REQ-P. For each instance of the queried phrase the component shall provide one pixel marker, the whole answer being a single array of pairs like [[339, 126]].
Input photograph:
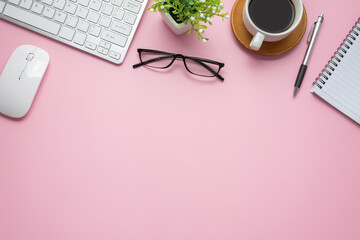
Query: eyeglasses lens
[[155, 59], [202, 68]]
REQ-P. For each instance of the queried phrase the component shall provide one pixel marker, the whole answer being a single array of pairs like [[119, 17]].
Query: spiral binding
[[337, 56]]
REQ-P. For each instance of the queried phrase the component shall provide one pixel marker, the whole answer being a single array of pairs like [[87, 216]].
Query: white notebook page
[[339, 82]]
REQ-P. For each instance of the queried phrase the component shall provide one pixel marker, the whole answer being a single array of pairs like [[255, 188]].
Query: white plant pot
[[177, 28]]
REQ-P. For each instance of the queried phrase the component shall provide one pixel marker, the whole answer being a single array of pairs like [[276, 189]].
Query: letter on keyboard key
[[79, 38], [102, 50], [90, 45], [67, 33], [70, 8], [60, 17], [114, 55], [121, 28], [26, 4], [2, 5], [59, 4], [32, 19], [37, 7], [95, 5], [49, 12], [82, 12], [113, 38], [95, 30], [105, 44], [131, 6]]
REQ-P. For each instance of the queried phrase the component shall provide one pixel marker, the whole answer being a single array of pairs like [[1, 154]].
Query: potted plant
[[189, 15]]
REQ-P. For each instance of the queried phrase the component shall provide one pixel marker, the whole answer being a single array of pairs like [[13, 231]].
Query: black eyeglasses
[[198, 66]]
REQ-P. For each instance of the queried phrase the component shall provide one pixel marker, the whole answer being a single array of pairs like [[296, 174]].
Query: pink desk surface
[[109, 152]]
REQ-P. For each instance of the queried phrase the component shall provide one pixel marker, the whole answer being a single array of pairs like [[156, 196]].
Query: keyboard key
[[72, 21], [26, 4], [130, 18], [49, 12], [60, 17], [82, 12], [117, 2], [48, 2], [16, 2], [105, 21], [121, 28], [107, 9], [70, 8], [131, 6], [83, 26], [105, 44], [106, 0], [37, 7], [140, 1], [32, 19], [114, 55], [79, 38], [94, 30], [95, 5], [102, 50], [85, 3], [59, 4], [67, 33], [94, 17], [113, 38], [119, 14], [2, 5], [90, 45]]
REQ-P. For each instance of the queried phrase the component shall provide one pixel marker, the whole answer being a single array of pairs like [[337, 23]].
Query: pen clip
[[311, 32]]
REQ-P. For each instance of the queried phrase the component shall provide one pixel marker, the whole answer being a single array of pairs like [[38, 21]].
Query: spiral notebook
[[339, 82]]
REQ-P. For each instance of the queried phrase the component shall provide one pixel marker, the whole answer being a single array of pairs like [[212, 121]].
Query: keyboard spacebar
[[32, 19]]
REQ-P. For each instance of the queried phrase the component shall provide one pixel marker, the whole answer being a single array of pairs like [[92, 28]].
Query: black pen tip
[[296, 89]]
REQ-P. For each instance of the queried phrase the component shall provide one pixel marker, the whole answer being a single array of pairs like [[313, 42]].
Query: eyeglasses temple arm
[[138, 65]]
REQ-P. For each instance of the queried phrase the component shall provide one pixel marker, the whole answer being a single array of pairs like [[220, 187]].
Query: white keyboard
[[104, 28]]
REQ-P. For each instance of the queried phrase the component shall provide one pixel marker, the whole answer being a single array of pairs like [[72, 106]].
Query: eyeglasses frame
[[183, 57]]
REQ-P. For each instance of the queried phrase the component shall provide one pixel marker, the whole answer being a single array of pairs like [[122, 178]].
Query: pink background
[[109, 152]]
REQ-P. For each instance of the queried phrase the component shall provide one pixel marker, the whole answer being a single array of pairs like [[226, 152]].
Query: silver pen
[[310, 41]]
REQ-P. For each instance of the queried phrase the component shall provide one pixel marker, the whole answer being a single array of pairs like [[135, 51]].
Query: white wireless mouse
[[20, 80]]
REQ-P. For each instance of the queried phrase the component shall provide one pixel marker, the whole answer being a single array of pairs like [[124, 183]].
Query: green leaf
[[184, 10]]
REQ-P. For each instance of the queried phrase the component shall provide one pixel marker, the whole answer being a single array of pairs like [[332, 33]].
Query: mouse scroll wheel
[[30, 57]]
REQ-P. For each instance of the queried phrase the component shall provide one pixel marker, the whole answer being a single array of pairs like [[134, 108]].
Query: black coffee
[[273, 16]]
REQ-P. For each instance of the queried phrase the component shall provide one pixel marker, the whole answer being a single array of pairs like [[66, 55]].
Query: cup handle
[[257, 41]]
